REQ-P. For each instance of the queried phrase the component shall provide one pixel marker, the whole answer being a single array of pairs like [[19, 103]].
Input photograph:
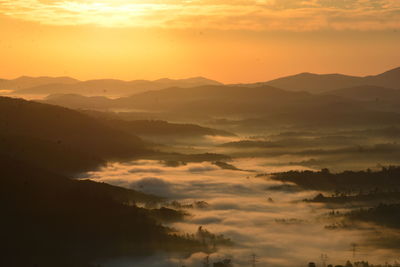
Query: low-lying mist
[[274, 224]]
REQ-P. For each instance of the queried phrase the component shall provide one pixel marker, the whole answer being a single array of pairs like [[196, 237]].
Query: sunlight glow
[[104, 13], [288, 15]]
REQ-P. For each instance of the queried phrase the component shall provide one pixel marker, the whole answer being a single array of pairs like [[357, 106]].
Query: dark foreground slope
[[60, 139], [50, 220]]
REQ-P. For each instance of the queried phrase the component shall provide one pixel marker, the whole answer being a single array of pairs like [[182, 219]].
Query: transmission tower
[[253, 260], [324, 259]]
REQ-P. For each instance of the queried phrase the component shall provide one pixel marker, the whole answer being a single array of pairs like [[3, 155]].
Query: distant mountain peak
[[392, 72], [197, 79], [319, 83], [107, 87], [25, 77]]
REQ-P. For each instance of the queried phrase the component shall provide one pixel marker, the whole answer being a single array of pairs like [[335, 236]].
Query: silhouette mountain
[[50, 220], [112, 87], [389, 79], [25, 82], [317, 83], [226, 100], [77, 142], [253, 106], [159, 128], [367, 93], [196, 99], [77, 101]]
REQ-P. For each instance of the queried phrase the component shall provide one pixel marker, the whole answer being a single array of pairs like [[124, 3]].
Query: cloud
[[201, 168], [262, 15], [145, 170], [153, 185]]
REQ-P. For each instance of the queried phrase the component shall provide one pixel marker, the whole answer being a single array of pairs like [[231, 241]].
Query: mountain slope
[[151, 128], [367, 93], [273, 105], [76, 101], [50, 220], [110, 87], [25, 82], [317, 83], [379, 98], [30, 129], [388, 79], [225, 100]]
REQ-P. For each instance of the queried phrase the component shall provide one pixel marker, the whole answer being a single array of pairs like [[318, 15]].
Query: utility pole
[[206, 262], [354, 247]]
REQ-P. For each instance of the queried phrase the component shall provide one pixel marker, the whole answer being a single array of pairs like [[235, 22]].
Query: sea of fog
[[276, 225]]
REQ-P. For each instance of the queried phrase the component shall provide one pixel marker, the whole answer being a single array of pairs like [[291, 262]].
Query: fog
[[275, 225]]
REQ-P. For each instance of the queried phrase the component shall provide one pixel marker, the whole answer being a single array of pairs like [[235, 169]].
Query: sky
[[227, 40]]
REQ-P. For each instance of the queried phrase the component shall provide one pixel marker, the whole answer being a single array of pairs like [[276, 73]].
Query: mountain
[[317, 83], [111, 87], [368, 93], [25, 82], [310, 82], [202, 99], [263, 106], [225, 100], [76, 101], [189, 82], [250, 107], [388, 79], [50, 220], [75, 141], [380, 98], [157, 128]]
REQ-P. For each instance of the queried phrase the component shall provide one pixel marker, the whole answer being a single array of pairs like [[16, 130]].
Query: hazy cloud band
[[274, 15]]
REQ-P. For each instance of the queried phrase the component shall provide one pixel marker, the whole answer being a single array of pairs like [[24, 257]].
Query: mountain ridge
[[318, 83], [109, 87]]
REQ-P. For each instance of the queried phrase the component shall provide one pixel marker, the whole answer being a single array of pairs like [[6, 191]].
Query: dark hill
[[272, 105], [145, 128], [377, 97], [30, 129], [50, 220], [367, 93], [227, 100], [76, 101]]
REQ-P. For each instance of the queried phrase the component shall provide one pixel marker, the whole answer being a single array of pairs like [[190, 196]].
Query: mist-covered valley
[[194, 172]]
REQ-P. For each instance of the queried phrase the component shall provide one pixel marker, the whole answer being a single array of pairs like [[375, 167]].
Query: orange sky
[[230, 41]]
